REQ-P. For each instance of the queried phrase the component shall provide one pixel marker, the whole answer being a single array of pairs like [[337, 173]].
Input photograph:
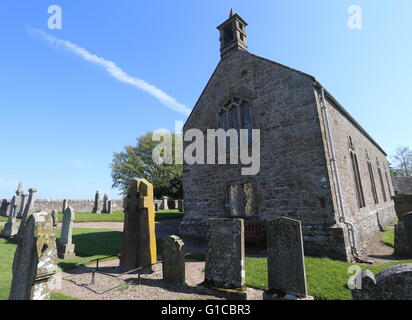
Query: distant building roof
[[402, 185]]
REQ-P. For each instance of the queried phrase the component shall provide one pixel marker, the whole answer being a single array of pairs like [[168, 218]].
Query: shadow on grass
[[92, 245]]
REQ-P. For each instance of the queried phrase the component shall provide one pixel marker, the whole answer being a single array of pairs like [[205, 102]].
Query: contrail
[[115, 71]]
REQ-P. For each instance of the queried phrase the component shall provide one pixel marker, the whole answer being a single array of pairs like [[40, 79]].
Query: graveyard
[[88, 237], [208, 173]]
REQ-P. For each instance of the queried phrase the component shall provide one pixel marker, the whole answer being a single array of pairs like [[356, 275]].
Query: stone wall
[[295, 174], [77, 205], [369, 219]]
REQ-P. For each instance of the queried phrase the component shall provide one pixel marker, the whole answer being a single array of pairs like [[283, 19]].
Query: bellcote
[[232, 34]]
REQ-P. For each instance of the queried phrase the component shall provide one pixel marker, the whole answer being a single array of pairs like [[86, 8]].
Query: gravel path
[[77, 283]]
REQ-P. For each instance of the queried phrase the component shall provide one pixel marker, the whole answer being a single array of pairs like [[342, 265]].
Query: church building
[[317, 164]]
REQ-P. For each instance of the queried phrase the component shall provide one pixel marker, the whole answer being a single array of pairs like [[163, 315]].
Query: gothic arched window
[[236, 114], [356, 175], [372, 178], [381, 180]]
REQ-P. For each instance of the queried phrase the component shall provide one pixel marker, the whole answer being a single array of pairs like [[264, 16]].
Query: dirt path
[[378, 252], [112, 285]]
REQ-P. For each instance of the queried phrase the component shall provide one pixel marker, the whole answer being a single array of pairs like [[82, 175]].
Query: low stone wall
[[77, 205]]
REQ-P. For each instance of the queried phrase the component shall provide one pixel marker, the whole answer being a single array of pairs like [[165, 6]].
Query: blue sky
[[63, 117]]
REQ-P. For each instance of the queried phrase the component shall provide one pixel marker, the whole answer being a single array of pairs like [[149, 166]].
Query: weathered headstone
[[139, 239], [164, 205], [225, 254], [35, 260], [55, 218], [11, 226], [105, 199], [23, 197], [28, 211], [180, 205], [96, 202], [109, 207], [394, 283], [173, 260], [4, 207], [66, 246], [10, 208], [403, 236], [286, 260]]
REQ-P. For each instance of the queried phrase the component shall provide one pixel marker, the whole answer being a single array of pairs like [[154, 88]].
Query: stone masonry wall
[[372, 217], [77, 205], [293, 180]]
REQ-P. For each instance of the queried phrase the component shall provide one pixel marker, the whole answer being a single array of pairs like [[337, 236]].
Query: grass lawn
[[118, 216], [388, 237], [3, 219]]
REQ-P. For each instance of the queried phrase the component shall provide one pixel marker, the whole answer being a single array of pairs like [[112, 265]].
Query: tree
[[401, 163], [136, 162]]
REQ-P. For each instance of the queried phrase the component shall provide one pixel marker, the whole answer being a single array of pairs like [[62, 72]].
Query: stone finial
[[139, 239], [231, 14], [35, 260], [173, 260]]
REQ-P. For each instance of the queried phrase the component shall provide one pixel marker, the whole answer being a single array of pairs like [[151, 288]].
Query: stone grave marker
[[225, 254], [173, 260], [28, 211], [96, 202], [66, 246], [286, 260], [139, 239], [35, 260]]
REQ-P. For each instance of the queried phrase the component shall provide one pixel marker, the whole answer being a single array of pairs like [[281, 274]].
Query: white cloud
[[115, 71]]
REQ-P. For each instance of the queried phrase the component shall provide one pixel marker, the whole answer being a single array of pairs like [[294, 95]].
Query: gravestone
[[180, 205], [66, 246], [10, 208], [23, 198], [109, 207], [11, 226], [96, 202], [64, 207], [403, 237], [28, 211], [394, 283], [164, 205], [35, 260], [173, 260], [286, 260], [4, 207], [225, 254], [139, 239], [55, 218], [105, 199]]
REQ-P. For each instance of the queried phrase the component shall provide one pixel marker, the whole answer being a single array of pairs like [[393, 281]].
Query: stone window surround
[[372, 179], [385, 198], [356, 175], [229, 103], [226, 196]]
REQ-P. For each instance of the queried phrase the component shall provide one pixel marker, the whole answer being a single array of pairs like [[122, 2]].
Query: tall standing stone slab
[[139, 239], [225, 254], [180, 205], [28, 211], [109, 207], [66, 246], [286, 260], [35, 260], [105, 204], [4, 208], [96, 203], [403, 237], [10, 208], [11, 226], [165, 203], [173, 260]]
